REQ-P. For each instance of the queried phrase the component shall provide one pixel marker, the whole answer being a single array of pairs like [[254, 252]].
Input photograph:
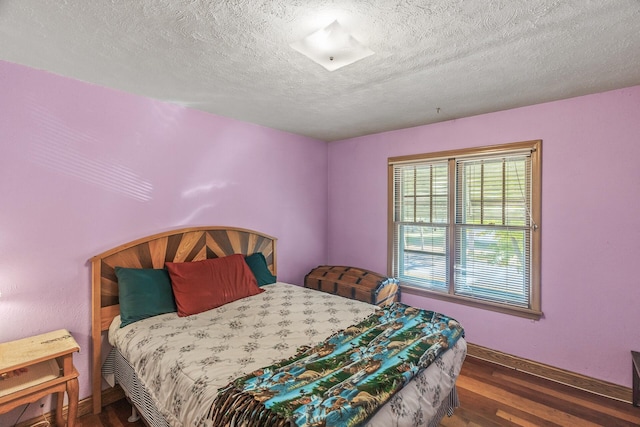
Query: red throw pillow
[[202, 285]]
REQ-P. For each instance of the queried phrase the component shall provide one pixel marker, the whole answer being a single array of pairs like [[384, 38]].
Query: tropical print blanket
[[343, 380]]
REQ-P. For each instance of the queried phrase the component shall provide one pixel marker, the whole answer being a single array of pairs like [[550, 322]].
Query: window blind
[[464, 225], [421, 212], [493, 229]]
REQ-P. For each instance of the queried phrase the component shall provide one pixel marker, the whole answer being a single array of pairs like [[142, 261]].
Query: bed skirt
[[117, 367]]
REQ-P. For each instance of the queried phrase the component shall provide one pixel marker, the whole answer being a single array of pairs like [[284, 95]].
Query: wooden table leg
[[59, 406], [72, 392]]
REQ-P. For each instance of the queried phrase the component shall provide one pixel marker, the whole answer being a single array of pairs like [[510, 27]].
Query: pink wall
[[590, 232], [84, 169]]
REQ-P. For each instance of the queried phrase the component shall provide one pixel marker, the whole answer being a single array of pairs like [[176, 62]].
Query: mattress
[[183, 361]]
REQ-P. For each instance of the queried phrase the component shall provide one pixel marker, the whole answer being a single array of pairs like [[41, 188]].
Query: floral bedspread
[[343, 380], [183, 362]]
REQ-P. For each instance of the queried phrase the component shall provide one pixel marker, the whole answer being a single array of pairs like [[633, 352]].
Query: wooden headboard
[[184, 245]]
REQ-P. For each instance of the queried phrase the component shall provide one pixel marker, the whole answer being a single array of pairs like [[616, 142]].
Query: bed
[[175, 366]]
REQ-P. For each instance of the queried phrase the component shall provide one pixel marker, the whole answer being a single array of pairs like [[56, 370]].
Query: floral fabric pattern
[[183, 362]]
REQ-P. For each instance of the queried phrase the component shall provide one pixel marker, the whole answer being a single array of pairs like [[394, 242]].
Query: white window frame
[[448, 292]]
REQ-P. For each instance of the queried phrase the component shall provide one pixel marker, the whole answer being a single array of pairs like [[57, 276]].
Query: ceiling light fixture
[[332, 47]]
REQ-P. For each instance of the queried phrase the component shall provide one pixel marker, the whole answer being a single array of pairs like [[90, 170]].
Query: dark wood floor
[[490, 395], [114, 415]]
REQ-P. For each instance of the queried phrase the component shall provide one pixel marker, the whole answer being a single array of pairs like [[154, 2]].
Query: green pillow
[[143, 292], [258, 265]]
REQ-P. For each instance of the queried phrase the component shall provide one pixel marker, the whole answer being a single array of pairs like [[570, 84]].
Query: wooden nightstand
[[34, 367]]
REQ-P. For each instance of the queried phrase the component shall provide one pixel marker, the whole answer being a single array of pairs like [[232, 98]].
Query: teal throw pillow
[[143, 293], [258, 265]]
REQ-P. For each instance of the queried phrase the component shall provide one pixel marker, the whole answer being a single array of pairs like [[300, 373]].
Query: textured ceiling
[[434, 60]]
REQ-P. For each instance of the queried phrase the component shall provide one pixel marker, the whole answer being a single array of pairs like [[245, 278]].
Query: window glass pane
[[440, 193], [423, 255], [423, 209], [493, 191], [491, 264], [422, 193], [518, 192], [407, 209], [422, 180]]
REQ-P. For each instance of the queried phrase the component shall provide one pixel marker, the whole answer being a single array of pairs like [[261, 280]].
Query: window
[[465, 226]]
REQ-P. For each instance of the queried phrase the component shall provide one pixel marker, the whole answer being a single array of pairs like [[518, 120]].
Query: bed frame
[[183, 245]]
